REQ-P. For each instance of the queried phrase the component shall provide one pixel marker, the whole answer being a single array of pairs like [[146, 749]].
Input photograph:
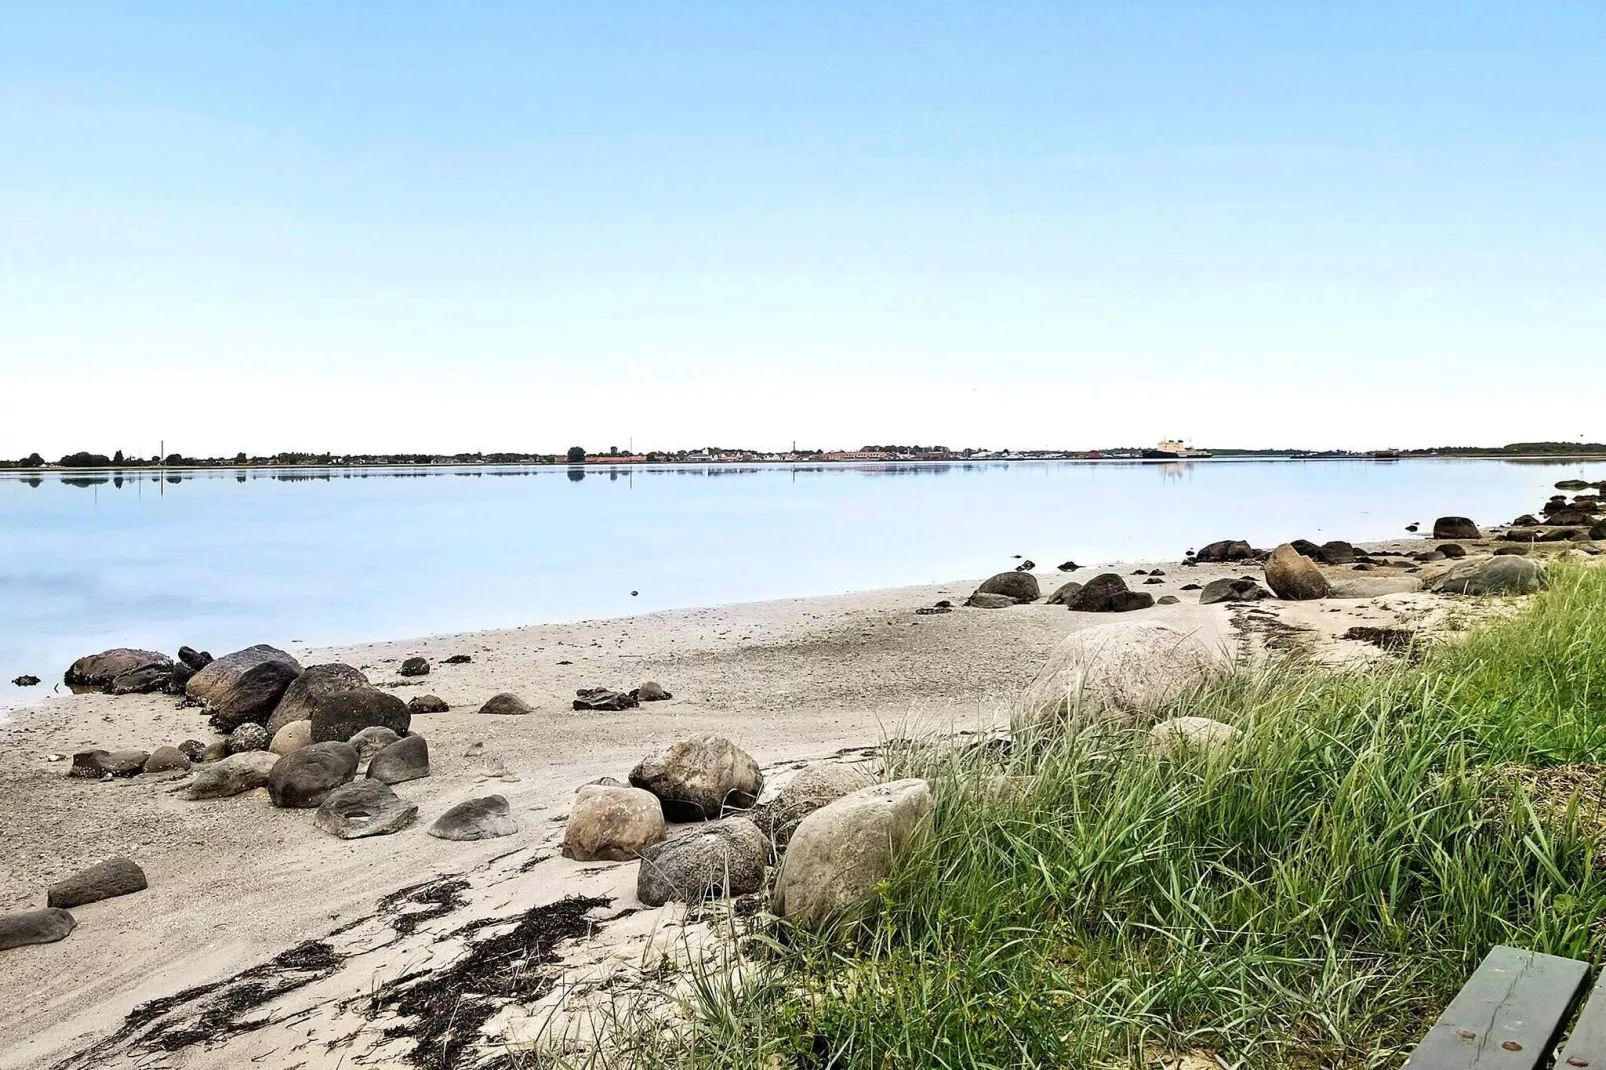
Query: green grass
[[1312, 898]]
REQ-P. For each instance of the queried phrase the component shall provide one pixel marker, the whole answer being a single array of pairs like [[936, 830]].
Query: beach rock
[[1294, 578], [1453, 549], [1495, 575], [1225, 550], [1513, 551], [97, 764], [414, 666], [427, 704], [345, 713], [813, 787], [1526, 520], [458, 659], [25, 680], [979, 600], [140, 681], [252, 695], [1026, 565], [1178, 736], [1154, 579], [178, 677], [365, 808], [600, 698], [370, 741], [192, 749], [1021, 586], [313, 688], [86, 764], [1111, 672], [404, 760], [1306, 548], [192, 659], [1232, 589], [34, 927], [304, 778], [651, 691], [214, 751], [695, 779], [291, 737], [1108, 594], [1064, 593], [721, 859], [1068, 566], [1167, 600], [476, 819], [1560, 518], [166, 760], [248, 736], [1598, 532], [1573, 484], [1455, 527], [99, 670], [230, 776], [1336, 552], [841, 852], [1374, 586], [211, 683], [612, 824], [506, 704], [103, 880]]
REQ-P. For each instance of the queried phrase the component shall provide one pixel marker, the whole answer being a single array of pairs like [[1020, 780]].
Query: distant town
[[577, 455]]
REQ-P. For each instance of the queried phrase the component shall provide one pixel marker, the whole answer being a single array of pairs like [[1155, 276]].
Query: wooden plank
[[1506, 1017], [1587, 1044]]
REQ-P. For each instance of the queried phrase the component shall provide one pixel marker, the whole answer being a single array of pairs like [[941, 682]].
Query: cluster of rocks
[[602, 698], [104, 880], [127, 671], [1577, 520]]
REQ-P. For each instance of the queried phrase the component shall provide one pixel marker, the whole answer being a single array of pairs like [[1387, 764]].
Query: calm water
[[222, 559]]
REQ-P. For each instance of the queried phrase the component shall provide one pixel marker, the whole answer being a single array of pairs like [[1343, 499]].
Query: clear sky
[[520, 226]]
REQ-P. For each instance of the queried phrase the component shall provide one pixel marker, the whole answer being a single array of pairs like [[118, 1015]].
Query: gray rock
[[1167, 600], [842, 851], [696, 779], [476, 819], [813, 787], [1336, 552], [1232, 589], [1021, 586], [612, 824], [370, 741], [718, 860], [1223, 551], [166, 760], [1293, 577], [1108, 674], [98, 763], [601, 698], [1494, 575], [414, 666], [984, 600], [406, 759], [248, 736], [1108, 594], [304, 778], [192, 749], [506, 704], [345, 713], [251, 696], [315, 685], [211, 683], [427, 704], [1374, 586], [103, 880], [1064, 593], [1455, 527], [652, 691], [34, 927], [232, 775], [365, 808], [1178, 736], [99, 670], [215, 750], [140, 681]]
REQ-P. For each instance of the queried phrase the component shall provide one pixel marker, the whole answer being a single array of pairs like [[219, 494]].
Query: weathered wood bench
[[1511, 1013]]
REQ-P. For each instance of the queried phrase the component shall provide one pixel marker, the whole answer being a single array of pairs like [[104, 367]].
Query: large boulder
[[1337, 552], [1021, 586], [406, 759], [252, 696], [1224, 551], [1111, 672], [211, 683], [232, 775], [1294, 577], [1232, 589], [141, 681], [839, 853], [99, 670], [718, 860], [813, 787], [696, 779], [310, 689], [103, 880], [476, 819], [1455, 527], [364, 808], [1178, 736], [1108, 594], [34, 927], [1064, 593], [612, 824], [1493, 575], [343, 714], [303, 778]]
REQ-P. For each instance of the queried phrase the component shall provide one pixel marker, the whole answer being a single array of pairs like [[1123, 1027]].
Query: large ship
[[1173, 450]]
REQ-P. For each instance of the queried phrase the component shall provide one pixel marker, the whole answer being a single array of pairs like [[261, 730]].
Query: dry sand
[[235, 882]]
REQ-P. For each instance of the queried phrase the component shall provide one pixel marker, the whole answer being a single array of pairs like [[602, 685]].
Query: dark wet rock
[[1064, 593], [601, 698], [1167, 600], [1337, 552], [364, 808], [1455, 527], [192, 749], [1559, 517], [414, 667], [404, 760], [1191, 587], [304, 778], [458, 659], [97, 764], [1232, 589], [211, 683], [427, 704], [178, 678], [192, 659], [345, 713], [1573, 484], [248, 737], [103, 880], [697, 779], [1293, 577], [981, 600], [1526, 520], [1026, 566], [1225, 550], [651, 691], [721, 859], [314, 687], [1306, 548], [252, 696], [1068, 566], [1453, 549], [140, 681], [215, 751], [1021, 586], [1386, 638], [1154, 579], [26, 680], [1598, 532], [1108, 593], [99, 670], [476, 819], [506, 704], [166, 760], [370, 741], [231, 776], [1497, 575], [1510, 551], [34, 927]]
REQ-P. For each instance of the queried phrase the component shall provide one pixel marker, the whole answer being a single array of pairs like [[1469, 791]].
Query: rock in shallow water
[[476, 819], [99, 670], [364, 808], [103, 880]]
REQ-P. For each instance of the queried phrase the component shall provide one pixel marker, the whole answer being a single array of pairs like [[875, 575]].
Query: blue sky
[[518, 226]]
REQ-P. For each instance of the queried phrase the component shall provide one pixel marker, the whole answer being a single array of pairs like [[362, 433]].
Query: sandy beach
[[235, 882]]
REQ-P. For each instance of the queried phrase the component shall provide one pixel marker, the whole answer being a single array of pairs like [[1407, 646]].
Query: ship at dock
[[1174, 450]]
